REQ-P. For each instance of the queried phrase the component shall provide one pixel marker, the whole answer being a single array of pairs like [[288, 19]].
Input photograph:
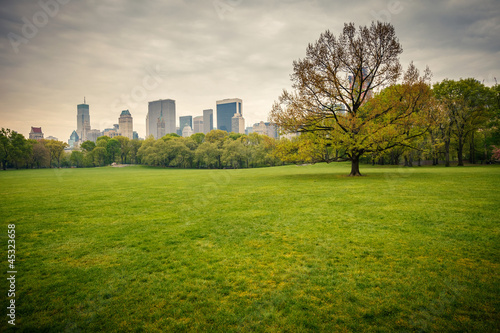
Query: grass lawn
[[294, 248]]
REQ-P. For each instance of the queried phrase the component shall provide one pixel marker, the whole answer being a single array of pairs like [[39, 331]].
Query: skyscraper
[[238, 123], [198, 124], [82, 120], [126, 126], [208, 120], [185, 121], [160, 119], [73, 139], [226, 109]]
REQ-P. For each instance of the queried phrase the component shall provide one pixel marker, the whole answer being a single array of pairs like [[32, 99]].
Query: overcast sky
[[120, 54]]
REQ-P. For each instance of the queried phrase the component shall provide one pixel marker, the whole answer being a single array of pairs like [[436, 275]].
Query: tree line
[[461, 122], [18, 152], [217, 149]]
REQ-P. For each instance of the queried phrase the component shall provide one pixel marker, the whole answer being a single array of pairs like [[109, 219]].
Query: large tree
[[466, 104], [125, 147], [41, 155], [5, 146], [334, 83], [113, 149], [56, 149]]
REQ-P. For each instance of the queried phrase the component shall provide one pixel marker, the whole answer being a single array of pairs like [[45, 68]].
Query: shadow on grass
[[372, 173], [329, 176]]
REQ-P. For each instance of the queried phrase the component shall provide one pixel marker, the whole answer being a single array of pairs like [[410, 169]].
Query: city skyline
[[54, 52]]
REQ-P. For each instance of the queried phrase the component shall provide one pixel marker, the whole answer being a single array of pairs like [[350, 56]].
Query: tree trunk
[[472, 158], [355, 166], [485, 152], [447, 152], [408, 161], [459, 152]]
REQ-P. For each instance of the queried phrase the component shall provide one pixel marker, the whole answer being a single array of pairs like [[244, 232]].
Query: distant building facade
[[160, 119], [226, 109], [198, 124], [187, 131], [272, 130], [36, 133], [92, 135], [73, 140], [264, 128], [208, 120], [82, 120], [126, 125], [110, 132], [238, 124], [185, 121]]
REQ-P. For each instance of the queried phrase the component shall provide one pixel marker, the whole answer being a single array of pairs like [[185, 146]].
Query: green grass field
[[294, 248]]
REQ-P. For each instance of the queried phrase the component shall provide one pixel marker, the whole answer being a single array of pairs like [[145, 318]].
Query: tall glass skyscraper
[[226, 109], [82, 120], [160, 119]]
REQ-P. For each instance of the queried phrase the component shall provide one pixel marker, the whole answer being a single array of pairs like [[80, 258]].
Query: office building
[[36, 133], [187, 131], [264, 128], [226, 109], [238, 124], [198, 124], [272, 130], [208, 120], [125, 124], [260, 128], [160, 119], [110, 132], [92, 135], [73, 140], [185, 121], [82, 120]]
